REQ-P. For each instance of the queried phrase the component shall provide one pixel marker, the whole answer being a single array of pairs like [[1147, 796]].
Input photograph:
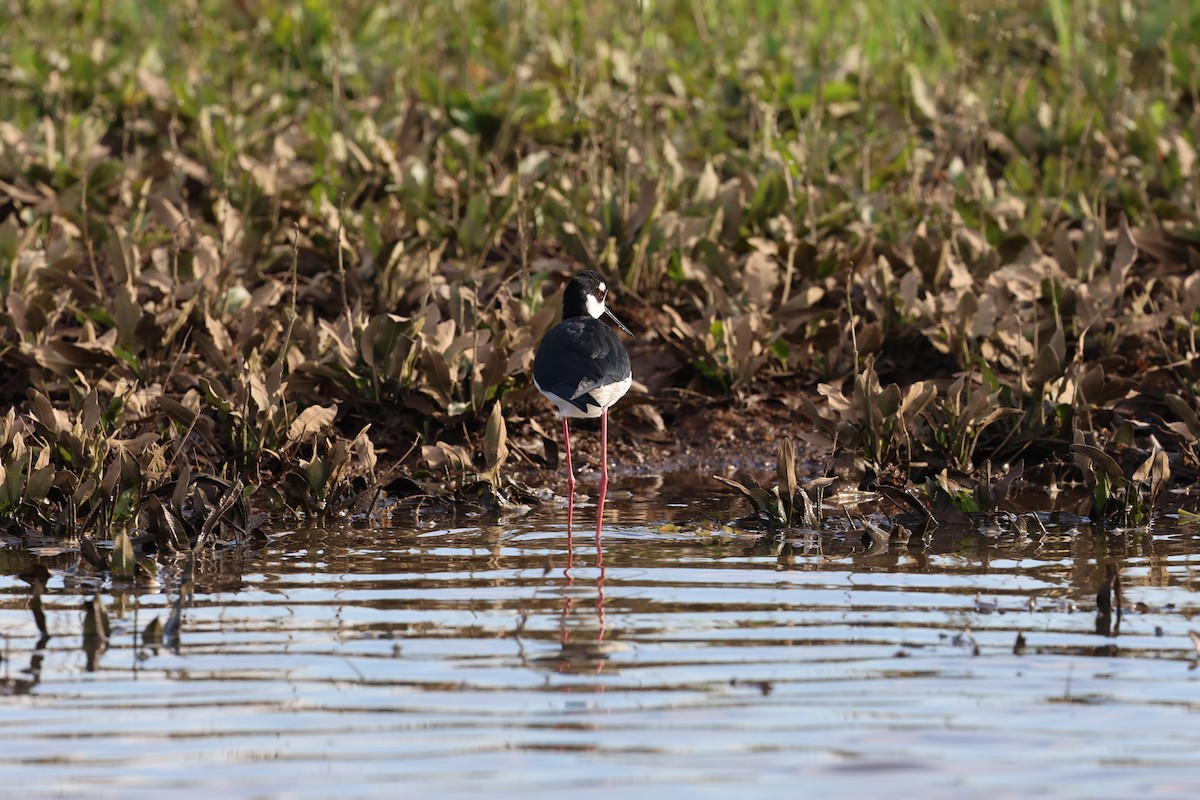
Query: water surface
[[456, 657]]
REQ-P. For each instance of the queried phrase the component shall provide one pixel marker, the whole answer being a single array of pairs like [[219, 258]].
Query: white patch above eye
[[603, 288], [595, 307]]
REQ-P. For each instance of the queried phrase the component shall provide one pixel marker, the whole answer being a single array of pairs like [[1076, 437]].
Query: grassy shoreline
[[269, 241]]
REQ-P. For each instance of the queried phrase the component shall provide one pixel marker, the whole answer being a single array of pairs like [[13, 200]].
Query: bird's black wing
[[579, 355]]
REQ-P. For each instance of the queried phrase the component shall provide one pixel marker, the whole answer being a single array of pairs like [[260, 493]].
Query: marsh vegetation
[[273, 274], [301, 254]]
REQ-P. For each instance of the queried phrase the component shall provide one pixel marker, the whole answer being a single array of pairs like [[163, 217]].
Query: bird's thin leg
[[603, 483], [570, 492]]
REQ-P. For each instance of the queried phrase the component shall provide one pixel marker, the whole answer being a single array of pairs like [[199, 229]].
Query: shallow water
[[449, 661]]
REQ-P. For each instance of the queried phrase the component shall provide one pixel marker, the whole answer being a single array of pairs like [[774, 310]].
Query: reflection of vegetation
[[262, 245], [109, 582]]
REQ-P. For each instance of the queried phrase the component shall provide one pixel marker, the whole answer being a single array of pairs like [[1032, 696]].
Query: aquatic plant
[[787, 504], [1117, 498]]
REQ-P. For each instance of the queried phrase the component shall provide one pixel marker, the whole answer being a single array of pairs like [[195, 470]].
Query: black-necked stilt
[[582, 367]]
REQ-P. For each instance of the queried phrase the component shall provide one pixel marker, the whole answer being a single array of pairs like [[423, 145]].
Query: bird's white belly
[[605, 396], [611, 393]]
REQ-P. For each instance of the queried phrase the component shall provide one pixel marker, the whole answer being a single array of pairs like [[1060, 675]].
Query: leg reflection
[[583, 653]]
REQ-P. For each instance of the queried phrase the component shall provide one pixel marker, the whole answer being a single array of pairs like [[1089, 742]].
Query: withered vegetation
[[307, 249]]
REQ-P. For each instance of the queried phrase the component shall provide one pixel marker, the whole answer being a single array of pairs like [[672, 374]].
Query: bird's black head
[[585, 295]]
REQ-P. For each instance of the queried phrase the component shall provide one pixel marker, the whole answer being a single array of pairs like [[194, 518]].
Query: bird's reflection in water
[[599, 542], [583, 653], [582, 647]]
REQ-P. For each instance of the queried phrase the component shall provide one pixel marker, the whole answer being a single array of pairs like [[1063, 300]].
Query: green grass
[[257, 209]]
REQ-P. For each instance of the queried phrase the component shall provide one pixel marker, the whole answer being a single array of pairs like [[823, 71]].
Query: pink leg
[[570, 492], [603, 483]]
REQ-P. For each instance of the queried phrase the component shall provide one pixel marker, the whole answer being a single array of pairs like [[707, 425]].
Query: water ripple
[[451, 662]]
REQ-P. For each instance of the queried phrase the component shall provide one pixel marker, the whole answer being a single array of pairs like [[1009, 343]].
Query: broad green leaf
[[123, 566]]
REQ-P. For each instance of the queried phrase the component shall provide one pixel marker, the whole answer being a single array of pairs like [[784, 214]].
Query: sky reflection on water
[[454, 661]]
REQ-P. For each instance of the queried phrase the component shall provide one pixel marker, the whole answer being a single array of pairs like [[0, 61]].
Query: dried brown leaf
[[1096, 459], [1155, 472], [310, 422], [495, 444], [443, 456], [786, 470], [1047, 367], [46, 414], [1187, 415], [1124, 256], [112, 476]]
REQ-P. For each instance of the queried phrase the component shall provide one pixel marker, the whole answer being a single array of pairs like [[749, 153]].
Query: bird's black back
[[577, 356]]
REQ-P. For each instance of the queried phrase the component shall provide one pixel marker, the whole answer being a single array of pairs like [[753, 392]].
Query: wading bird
[[582, 367]]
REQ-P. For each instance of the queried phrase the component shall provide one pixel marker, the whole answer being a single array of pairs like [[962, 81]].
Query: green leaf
[[316, 473], [124, 564]]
